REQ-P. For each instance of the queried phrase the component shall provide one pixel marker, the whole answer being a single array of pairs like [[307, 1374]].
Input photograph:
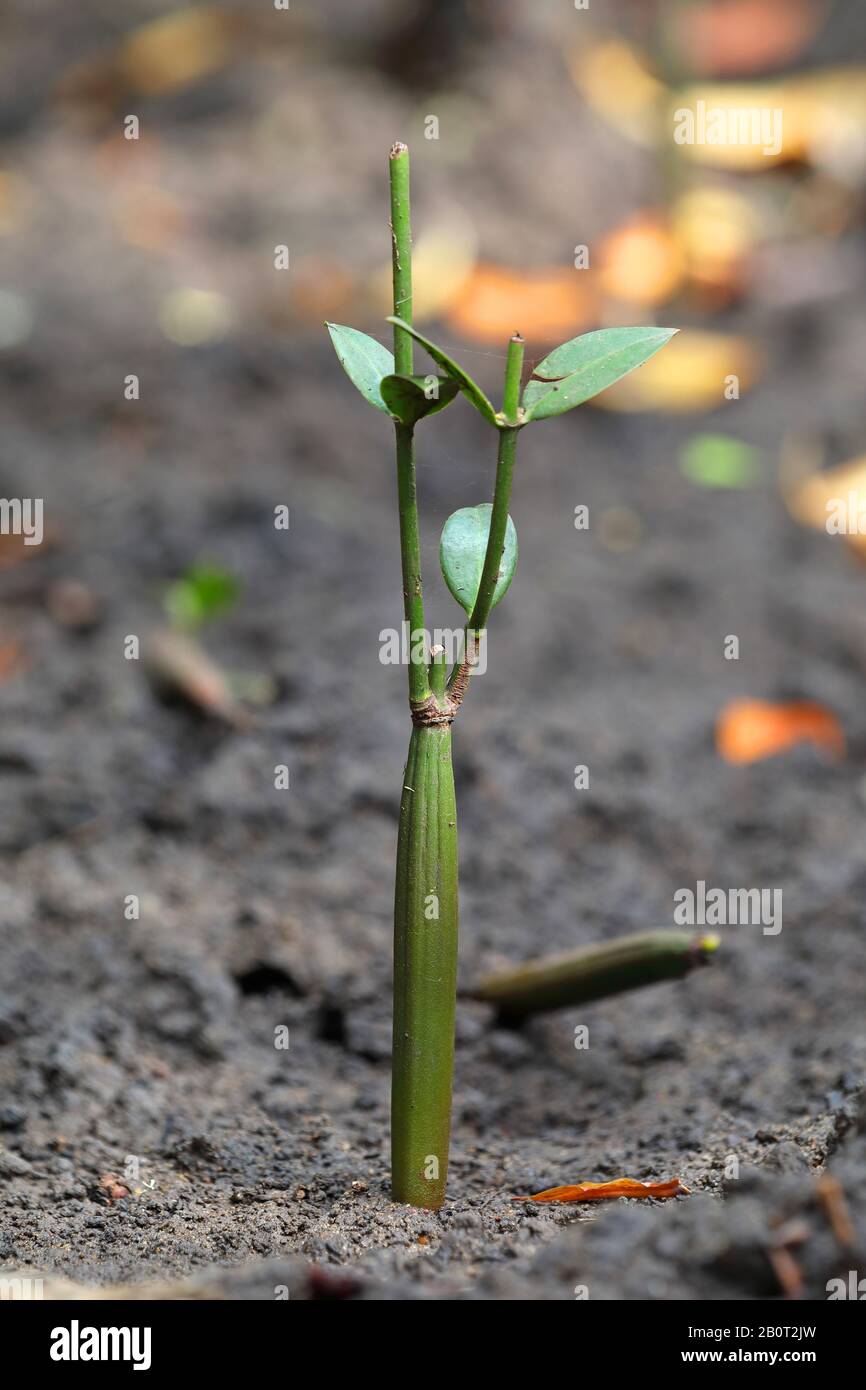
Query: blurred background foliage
[[552, 197]]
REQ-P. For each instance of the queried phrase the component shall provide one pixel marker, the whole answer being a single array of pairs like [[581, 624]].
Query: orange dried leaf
[[606, 1191], [544, 305], [641, 262], [750, 730]]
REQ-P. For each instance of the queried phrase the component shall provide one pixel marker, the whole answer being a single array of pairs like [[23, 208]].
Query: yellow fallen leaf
[[693, 373], [175, 50], [613, 79], [715, 228], [831, 105], [831, 500]]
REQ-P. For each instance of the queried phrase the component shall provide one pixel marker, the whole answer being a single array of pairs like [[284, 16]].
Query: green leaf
[[410, 398], [204, 592], [462, 550], [364, 360], [579, 369], [465, 383]]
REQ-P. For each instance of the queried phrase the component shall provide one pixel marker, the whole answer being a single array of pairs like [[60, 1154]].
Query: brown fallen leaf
[[787, 1271], [544, 305], [178, 665], [606, 1191], [15, 548], [14, 660], [114, 1187], [749, 730], [831, 1195]]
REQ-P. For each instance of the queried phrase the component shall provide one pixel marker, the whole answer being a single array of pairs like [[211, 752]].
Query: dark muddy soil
[[145, 1049]]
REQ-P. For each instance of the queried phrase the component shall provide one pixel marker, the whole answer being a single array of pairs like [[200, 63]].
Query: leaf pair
[[571, 374], [370, 366], [568, 376]]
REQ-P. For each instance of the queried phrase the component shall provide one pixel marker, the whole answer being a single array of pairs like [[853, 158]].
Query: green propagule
[[478, 555]]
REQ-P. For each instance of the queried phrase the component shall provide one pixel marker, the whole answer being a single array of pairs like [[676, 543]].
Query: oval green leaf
[[410, 398], [364, 360], [576, 371], [453, 369], [462, 550]]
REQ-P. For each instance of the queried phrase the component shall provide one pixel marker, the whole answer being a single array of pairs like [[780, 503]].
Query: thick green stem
[[410, 541], [595, 972], [425, 972]]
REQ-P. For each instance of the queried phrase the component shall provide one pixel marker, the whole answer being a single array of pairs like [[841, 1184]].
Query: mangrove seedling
[[478, 554]]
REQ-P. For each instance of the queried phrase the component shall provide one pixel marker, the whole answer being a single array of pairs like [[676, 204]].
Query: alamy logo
[[846, 516], [22, 516], [401, 648], [77, 1343], [15, 1287], [851, 1288], [717, 907], [730, 125]]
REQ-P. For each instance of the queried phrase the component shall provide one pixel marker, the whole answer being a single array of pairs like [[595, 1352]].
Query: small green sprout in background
[[204, 593], [478, 555], [719, 460]]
